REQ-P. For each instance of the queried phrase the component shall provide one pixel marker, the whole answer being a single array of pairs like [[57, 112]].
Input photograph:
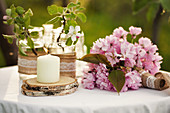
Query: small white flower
[[73, 32]]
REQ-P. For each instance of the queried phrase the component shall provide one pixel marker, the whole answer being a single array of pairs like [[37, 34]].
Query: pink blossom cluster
[[119, 52]]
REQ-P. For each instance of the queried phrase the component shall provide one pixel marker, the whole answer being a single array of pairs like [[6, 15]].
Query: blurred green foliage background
[[102, 17]]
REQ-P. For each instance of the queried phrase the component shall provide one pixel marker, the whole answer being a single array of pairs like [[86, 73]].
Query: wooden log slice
[[65, 83], [27, 92]]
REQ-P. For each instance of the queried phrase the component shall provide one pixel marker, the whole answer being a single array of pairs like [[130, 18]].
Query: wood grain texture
[[27, 92], [66, 85]]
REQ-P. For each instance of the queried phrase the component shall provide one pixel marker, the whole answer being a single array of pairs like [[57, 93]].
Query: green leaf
[[71, 23], [69, 42], [78, 3], [13, 11], [30, 43], [117, 78], [8, 12], [80, 9], [75, 41], [71, 5], [103, 59], [20, 10], [82, 17], [26, 18], [96, 59], [53, 9], [60, 9], [30, 27], [34, 34], [70, 16], [152, 11], [165, 4], [9, 38], [5, 22], [19, 20], [17, 42], [12, 6], [26, 21], [17, 29], [138, 5], [66, 28], [10, 21], [29, 12], [91, 58], [21, 52], [53, 20], [22, 36]]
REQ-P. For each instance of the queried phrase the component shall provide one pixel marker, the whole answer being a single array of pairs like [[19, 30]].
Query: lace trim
[[27, 63], [150, 81], [67, 67]]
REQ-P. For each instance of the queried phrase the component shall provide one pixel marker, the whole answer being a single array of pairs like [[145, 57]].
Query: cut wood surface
[[27, 92], [63, 81], [66, 85]]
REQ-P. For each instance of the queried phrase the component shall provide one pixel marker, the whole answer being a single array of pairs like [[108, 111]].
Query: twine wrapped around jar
[[151, 81], [165, 76], [67, 64], [28, 64]]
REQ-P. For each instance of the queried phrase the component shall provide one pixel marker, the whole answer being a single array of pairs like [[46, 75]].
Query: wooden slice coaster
[[27, 92], [65, 83]]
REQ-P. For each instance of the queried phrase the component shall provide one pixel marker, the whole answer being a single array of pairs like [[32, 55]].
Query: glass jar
[[48, 35], [27, 65]]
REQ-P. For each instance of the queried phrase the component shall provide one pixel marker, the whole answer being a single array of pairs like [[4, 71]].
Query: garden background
[[102, 17]]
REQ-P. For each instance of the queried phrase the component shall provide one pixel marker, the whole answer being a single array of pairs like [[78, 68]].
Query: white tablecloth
[[82, 101]]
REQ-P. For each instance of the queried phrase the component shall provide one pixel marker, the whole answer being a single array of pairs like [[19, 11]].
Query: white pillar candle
[[48, 69]]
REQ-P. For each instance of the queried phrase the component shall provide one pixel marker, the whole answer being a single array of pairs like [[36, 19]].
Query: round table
[[82, 101]]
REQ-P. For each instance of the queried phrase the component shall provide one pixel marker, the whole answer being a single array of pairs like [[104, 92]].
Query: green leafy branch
[[139, 5], [116, 76], [20, 19], [67, 16]]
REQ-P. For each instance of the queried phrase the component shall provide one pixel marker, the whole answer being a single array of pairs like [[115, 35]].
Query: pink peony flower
[[110, 58], [157, 57], [135, 31], [128, 50], [153, 49], [145, 43], [122, 55], [130, 63], [133, 80], [120, 33], [87, 84]]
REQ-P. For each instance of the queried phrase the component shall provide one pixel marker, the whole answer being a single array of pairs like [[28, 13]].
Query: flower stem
[[33, 50], [132, 40], [58, 39]]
